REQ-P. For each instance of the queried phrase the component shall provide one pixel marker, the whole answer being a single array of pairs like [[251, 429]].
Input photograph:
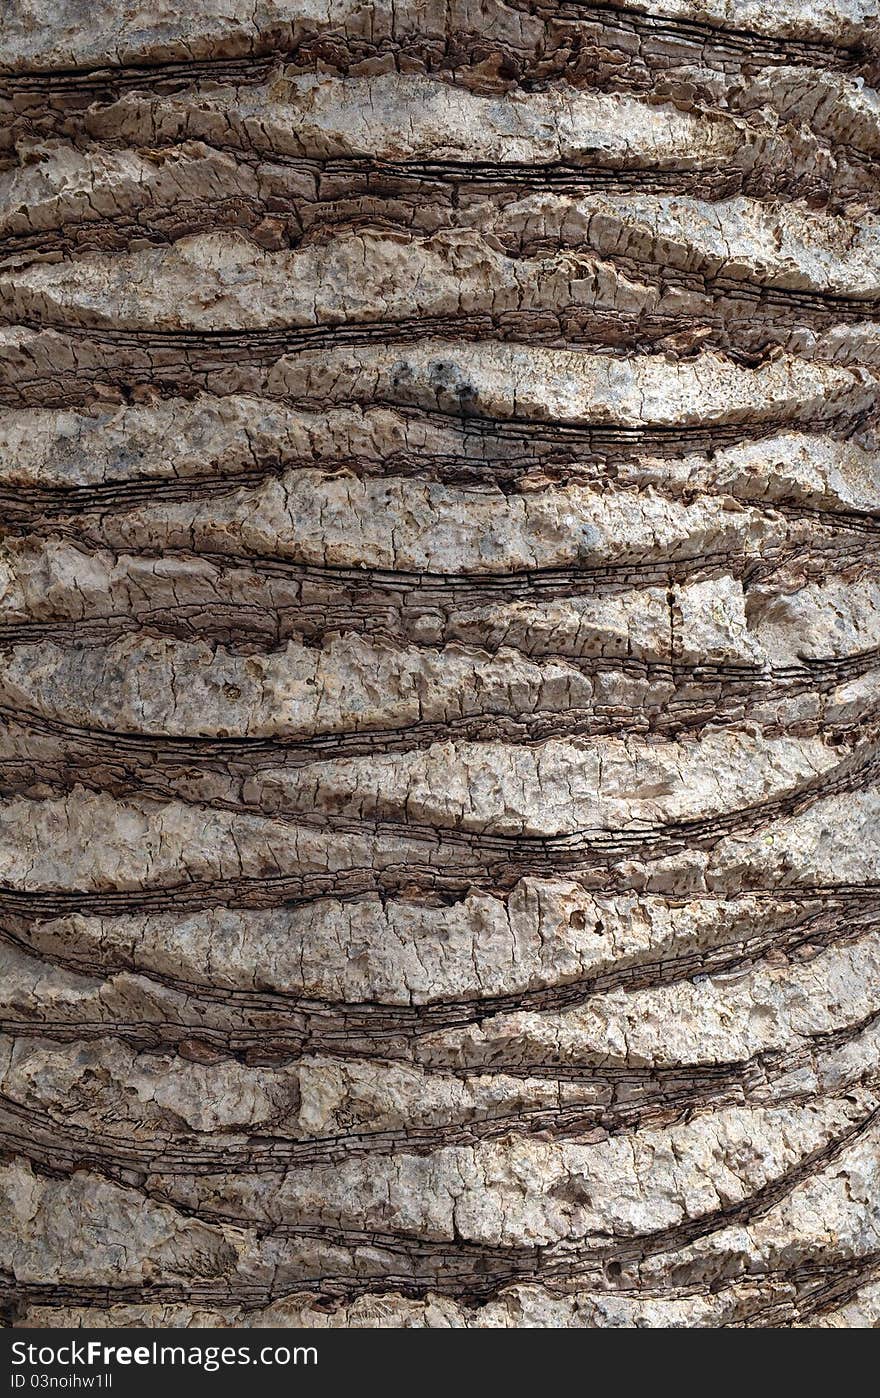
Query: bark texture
[[439, 599]]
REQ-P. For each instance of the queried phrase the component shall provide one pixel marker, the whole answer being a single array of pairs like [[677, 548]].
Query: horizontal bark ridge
[[440, 618]]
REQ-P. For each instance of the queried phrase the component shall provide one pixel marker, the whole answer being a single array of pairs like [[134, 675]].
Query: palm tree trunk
[[439, 850]]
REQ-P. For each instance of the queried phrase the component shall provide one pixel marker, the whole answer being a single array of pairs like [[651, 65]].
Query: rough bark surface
[[440, 610]]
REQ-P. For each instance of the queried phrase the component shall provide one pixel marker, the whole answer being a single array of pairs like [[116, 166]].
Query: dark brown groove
[[559, 1261], [276, 1047], [480, 1271], [821, 1278], [474, 853], [135, 757], [316, 1025], [666, 1097], [601, 331], [719, 38], [25, 504], [362, 588], [250, 59], [450, 184], [826, 1289]]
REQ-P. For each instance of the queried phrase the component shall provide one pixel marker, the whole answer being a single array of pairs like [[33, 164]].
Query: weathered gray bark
[[438, 855]]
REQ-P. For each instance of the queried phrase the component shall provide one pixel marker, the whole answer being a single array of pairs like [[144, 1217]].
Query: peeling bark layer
[[440, 611]]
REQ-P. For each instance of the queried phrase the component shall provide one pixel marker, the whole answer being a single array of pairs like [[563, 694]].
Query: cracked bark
[[440, 620]]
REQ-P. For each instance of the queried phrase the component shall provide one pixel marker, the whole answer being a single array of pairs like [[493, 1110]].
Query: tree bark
[[439, 852]]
